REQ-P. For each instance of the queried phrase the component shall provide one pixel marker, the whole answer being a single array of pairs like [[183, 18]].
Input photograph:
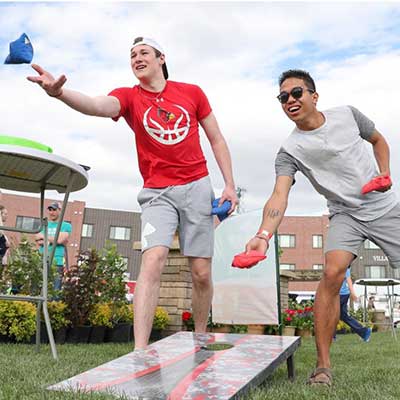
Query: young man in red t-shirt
[[177, 192]]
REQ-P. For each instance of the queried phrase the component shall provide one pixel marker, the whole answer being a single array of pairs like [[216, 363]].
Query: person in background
[[60, 255], [371, 305], [347, 291], [4, 243]]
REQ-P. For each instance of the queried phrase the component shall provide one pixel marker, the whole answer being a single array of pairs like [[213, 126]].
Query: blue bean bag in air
[[21, 51]]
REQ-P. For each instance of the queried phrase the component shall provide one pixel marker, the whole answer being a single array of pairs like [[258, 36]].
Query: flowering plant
[[289, 317], [187, 319], [305, 318]]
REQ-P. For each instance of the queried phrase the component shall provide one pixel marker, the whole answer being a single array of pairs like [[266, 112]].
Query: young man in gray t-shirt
[[330, 149]]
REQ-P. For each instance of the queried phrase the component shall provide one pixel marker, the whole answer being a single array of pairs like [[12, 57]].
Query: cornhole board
[[182, 367]]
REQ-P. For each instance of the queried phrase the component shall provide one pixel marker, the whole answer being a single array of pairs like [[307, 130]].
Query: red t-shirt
[[167, 131]]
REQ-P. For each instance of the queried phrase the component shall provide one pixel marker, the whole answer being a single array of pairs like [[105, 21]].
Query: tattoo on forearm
[[272, 213]]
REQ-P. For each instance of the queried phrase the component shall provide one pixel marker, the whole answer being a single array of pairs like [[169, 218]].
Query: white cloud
[[234, 51]]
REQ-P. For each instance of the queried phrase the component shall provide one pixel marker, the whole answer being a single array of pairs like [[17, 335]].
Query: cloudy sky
[[234, 51]]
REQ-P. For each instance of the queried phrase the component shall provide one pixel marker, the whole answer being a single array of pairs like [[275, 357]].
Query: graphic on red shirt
[[166, 127], [165, 135]]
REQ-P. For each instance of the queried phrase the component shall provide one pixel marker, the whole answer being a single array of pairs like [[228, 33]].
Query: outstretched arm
[[273, 213], [100, 106], [223, 157]]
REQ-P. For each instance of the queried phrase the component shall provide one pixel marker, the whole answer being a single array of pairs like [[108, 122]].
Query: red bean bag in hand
[[248, 260], [379, 182]]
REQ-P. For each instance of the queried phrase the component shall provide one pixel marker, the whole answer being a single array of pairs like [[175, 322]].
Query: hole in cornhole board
[[218, 346]]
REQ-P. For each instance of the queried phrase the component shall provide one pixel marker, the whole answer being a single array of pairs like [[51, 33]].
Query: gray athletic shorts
[[186, 207], [348, 233]]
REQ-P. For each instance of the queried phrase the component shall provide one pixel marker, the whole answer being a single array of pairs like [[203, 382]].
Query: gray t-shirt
[[336, 160]]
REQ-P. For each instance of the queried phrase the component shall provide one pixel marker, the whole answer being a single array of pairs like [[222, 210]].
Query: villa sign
[[380, 258]]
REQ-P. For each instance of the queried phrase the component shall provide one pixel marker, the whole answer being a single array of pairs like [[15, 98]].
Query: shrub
[[110, 276], [342, 327], [79, 288], [161, 319], [17, 319], [100, 315], [24, 270], [238, 328], [57, 313], [111, 285], [122, 313]]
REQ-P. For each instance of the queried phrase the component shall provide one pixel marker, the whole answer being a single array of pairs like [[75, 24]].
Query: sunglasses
[[296, 93]]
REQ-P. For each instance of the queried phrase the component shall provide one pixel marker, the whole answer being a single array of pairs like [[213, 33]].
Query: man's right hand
[[257, 244], [52, 86]]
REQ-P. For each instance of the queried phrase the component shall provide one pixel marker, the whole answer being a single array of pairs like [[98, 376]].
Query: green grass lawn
[[365, 371]]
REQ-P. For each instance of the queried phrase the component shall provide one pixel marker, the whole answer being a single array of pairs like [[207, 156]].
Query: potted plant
[[58, 320], [160, 322], [305, 321], [100, 319], [110, 277], [289, 321], [238, 329], [111, 289], [342, 328], [122, 324], [79, 295], [188, 321], [23, 274], [216, 327], [17, 320], [255, 329]]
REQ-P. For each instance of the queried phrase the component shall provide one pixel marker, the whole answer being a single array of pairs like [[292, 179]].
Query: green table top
[[18, 141]]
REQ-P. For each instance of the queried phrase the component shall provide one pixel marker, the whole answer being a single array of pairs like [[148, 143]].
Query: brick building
[[119, 227], [301, 239], [24, 212], [91, 227]]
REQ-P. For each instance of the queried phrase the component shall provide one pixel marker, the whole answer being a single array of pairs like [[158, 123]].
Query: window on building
[[375, 271], [87, 230], [287, 240], [370, 245], [290, 267], [27, 223], [317, 241], [120, 233], [396, 273], [318, 266]]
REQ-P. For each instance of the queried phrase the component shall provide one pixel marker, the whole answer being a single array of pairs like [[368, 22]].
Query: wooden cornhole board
[[181, 367]]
